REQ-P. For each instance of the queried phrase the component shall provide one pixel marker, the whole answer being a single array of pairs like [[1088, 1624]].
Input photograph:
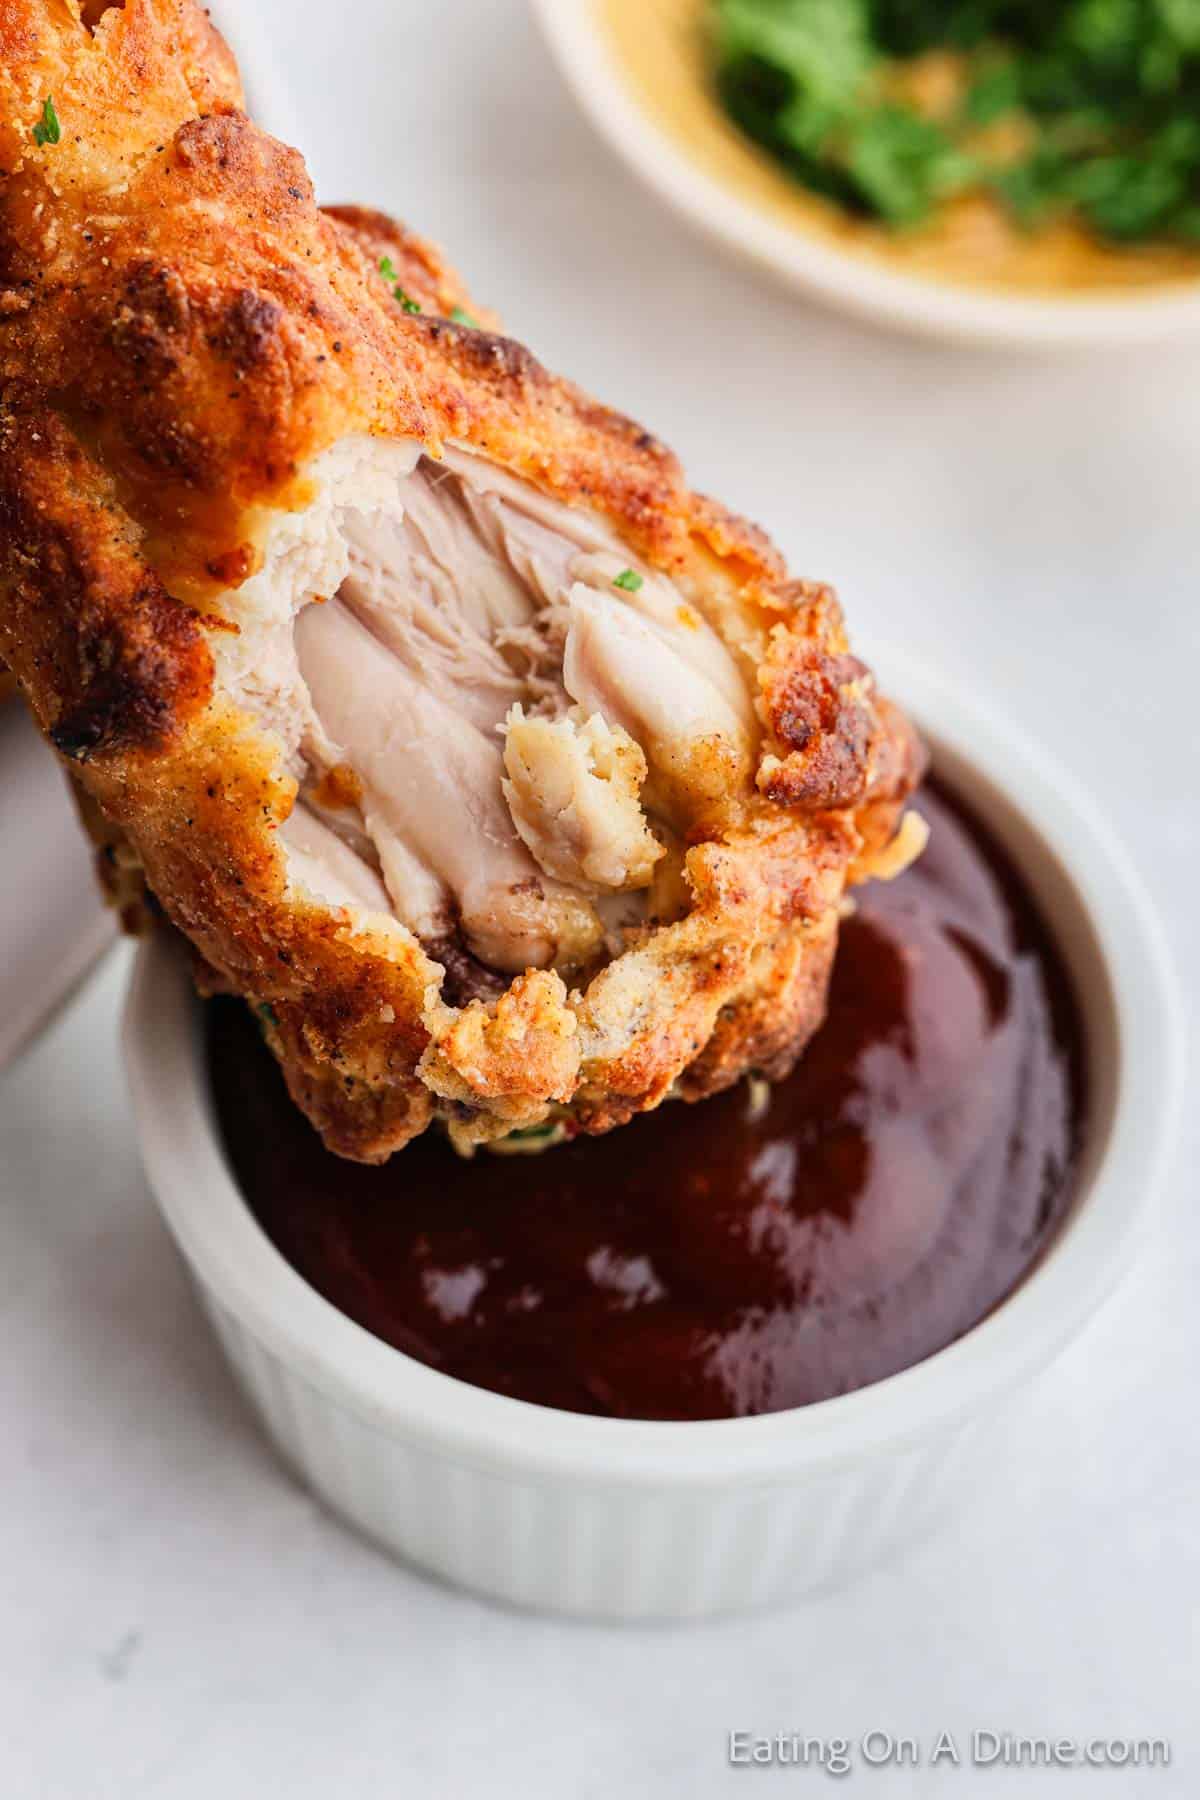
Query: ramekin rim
[[246, 1275]]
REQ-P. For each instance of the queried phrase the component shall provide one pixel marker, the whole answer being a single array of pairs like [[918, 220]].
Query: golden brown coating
[[420, 269], [183, 334]]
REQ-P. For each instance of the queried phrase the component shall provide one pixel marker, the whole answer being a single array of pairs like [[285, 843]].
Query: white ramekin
[[631, 1519], [838, 277]]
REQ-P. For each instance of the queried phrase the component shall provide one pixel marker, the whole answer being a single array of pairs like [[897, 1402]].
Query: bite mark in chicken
[[463, 597]]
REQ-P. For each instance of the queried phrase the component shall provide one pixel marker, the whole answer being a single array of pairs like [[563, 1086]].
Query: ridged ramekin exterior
[[588, 1548]]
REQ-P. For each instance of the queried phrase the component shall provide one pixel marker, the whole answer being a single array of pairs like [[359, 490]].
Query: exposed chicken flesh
[[623, 667], [431, 797], [464, 597], [573, 791], [320, 862]]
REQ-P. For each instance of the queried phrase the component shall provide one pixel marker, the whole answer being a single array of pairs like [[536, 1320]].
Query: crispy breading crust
[[182, 331]]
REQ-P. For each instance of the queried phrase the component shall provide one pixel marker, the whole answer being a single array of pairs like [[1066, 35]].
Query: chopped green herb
[[391, 273], [902, 165], [267, 1014], [460, 316], [629, 580], [1103, 97], [47, 130]]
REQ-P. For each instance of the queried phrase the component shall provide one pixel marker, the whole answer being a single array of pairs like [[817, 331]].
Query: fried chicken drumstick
[[509, 779]]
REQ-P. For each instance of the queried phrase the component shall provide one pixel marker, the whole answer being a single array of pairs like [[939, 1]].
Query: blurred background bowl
[[846, 279]]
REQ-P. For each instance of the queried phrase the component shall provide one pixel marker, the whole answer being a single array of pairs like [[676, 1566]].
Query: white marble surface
[[176, 1619]]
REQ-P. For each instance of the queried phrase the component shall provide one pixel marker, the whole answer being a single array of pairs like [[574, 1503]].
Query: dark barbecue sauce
[[717, 1259]]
